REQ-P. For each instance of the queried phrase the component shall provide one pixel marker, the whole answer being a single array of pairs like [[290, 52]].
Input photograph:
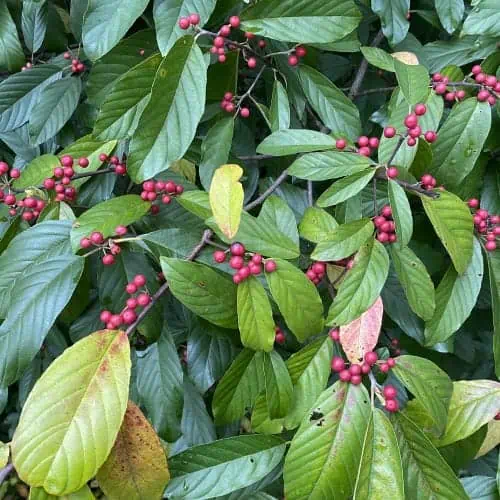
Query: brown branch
[[371, 91], [4, 473], [416, 188], [268, 192], [310, 199], [396, 149]]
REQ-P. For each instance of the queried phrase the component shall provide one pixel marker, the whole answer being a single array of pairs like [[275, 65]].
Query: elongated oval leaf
[[275, 211], [200, 472], [455, 298], [380, 470], [287, 283], [378, 58], [255, 316], [34, 23], [413, 81], [123, 107], [361, 335], [226, 198], [401, 213], [105, 216], [202, 290], [72, 417], [11, 53], [483, 19], [178, 90], [329, 448], [346, 188], [106, 22], [362, 284], [451, 13], [393, 18], [137, 466], [453, 224], [292, 141], [278, 385], [279, 112], [36, 171]]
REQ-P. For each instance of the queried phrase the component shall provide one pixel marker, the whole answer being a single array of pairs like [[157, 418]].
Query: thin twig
[[396, 149], [310, 199], [416, 188], [250, 89], [255, 157], [374, 196], [268, 192], [379, 90], [4, 473], [363, 67]]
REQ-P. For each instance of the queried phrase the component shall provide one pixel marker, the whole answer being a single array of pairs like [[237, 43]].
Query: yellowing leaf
[[226, 198], [70, 420], [136, 467], [406, 57], [4, 454], [185, 168], [82, 494], [361, 335]]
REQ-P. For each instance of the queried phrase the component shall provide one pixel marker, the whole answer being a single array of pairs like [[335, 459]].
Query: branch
[[310, 199], [363, 67], [268, 192], [396, 149], [370, 91], [416, 188], [207, 234], [5, 472]]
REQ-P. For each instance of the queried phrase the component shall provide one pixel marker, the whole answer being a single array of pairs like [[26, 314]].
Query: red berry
[[218, 42], [236, 279], [473, 203], [293, 60], [383, 237], [108, 259], [121, 230], [68, 172], [219, 256], [105, 316], [319, 268], [184, 23], [450, 96], [411, 141], [131, 288], [15, 173], [194, 19], [237, 249], [234, 21], [29, 202], [131, 303], [270, 266], [236, 262], [371, 358], [280, 338], [378, 221], [345, 376], [480, 78], [411, 120], [430, 136], [389, 132], [85, 243], [311, 274], [67, 161], [363, 141], [244, 272], [366, 368], [392, 172], [120, 169], [116, 320], [437, 77], [340, 144], [225, 31], [482, 213], [245, 112], [49, 183], [384, 367], [334, 334], [139, 280], [490, 246], [460, 94], [391, 362], [249, 35], [300, 51], [255, 269], [483, 95], [440, 88], [83, 162], [257, 258], [374, 142], [496, 231], [97, 238], [390, 392], [166, 199], [356, 379], [338, 364], [492, 100], [355, 369], [476, 69], [252, 62], [392, 405], [143, 299], [364, 151], [4, 167], [491, 237], [228, 96], [129, 316], [230, 107], [415, 132], [386, 211], [420, 109]]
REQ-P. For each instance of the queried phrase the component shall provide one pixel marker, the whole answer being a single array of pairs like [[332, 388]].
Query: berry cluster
[[279, 338], [298, 53], [427, 181], [120, 167], [109, 247], [151, 190], [386, 228], [28, 65], [229, 105], [440, 85], [219, 42], [413, 130], [76, 65], [128, 314], [486, 224], [191, 20], [366, 145], [390, 395], [253, 265], [61, 179], [316, 271]]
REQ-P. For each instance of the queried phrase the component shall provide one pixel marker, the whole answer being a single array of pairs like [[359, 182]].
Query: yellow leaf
[[82, 494], [4, 454], [492, 438], [406, 57], [136, 467], [226, 198]]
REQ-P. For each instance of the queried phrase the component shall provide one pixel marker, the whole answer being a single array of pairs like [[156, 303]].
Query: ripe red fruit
[[356, 379], [194, 19], [345, 376], [166, 199], [319, 267], [103, 157], [460, 94], [371, 358], [311, 274], [129, 316], [450, 96], [482, 213], [492, 100], [391, 362], [97, 238], [228, 96], [255, 269], [437, 77], [234, 21], [218, 42], [363, 141], [384, 367], [280, 338], [236, 279], [338, 364], [300, 51], [483, 95], [68, 172], [131, 288], [236, 262], [430, 136], [480, 78], [340, 143], [184, 23], [15, 173], [4, 167], [355, 369], [105, 316], [131, 303], [270, 266], [386, 211], [143, 299], [476, 69], [249, 35], [364, 151], [378, 221], [392, 405], [83, 162], [116, 320], [230, 107], [108, 259], [496, 230], [244, 272], [390, 392], [58, 172], [121, 230], [334, 334], [139, 280], [293, 60], [245, 112], [219, 256], [49, 183], [411, 120], [85, 243], [374, 142], [225, 30], [440, 88], [237, 249], [426, 179], [366, 368], [389, 132], [67, 161], [257, 258], [415, 132], [411, 141], [252, 62], [392, 172], [420, 109], [490, 246], [383, 237]]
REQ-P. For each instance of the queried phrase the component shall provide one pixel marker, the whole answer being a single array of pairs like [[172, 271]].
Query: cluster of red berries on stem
[[390, 394], [109, 247], [136, 300], [366, 145], [188, 21], [386, 228], [440, 85], [279, 336], [298, 53], [219, 42], [486, 224], [428, 182], [76, 64], [316, 271], [163, 190], [229, 105], [490, 85], [244, 269]]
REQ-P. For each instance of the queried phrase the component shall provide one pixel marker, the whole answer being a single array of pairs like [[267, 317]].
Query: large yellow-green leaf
[[452, 222], [226, 198], [4, 454], [380, 470], [413, 81], [82, 494], [316, 224], [70, 421], [137, 467], [324, 456], [37, 170]]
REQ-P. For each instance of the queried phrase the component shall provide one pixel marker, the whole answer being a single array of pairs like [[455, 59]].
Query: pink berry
[[392, 172], [15, 173], [234, 21], [355, 369], [334, 334], [371, 358], [300, 51], [492, 100], [411, 120], [490, 246], [491, 80], [340, 144], [225, 31], [384, 367], [257, 258], [121, 230], [392, 405], [184, 23], [437, 77], [440, 88], [219, 256], [483, 95], [236, 262], [391, 362], [228, 96], [420, 109], [85, 243], [237, 249], [345, 376], [108, 259], [252, 62], [49, 183], [476, 69], [129, 316], [105, 316], [460, 94], [390, 392], [356, 379], [363, 141], [365, 151], [430, 136], [386, 211], [280, 338], [383, 237], [473, 203], [218, 42], [293, 60], [366, 368], [389, 132], [83, 162], [245, 112], [143, 299], [480, 78], [415, 132], [244, 272], [116, 320], [131, 288], [67, 161], [97, 238], [139, 280], [411, 141], [270, 266], [374, 142], [338, 364], [194, 19]]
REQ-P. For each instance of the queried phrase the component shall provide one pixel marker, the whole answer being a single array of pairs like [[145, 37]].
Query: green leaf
[[201, 472], [276, 212], [456, 296], [480, 487], [328, 165], [416, 282], [57, 104], [343, 241], [380, 469], [178, 90], [309, 370], [378, 58], [427, 475], [473, 404], [74, 412], [346, 188], [239, 387], [123, 106], [159, 383], [12, 56], [202, 290], [430, 385], [255, 316], [226, 198], [278, 385], [413, 81], [137, 466], [460, 141], [452, 222], [4, 454], [36, 171], [286, 284], [43, 242], [196, 202], [335, 110], [483, 20], [290, 142], [279, 112], [166, 14], [393, 18], [401, 213], [215, 149], [451, 13], [82, 494], [289, 21], [106, 22], [261, 421], [40, 294], [316, 224], [20, 92], [362, 284], [104, 217], [34, 23], [328, 448], [493, 259]]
